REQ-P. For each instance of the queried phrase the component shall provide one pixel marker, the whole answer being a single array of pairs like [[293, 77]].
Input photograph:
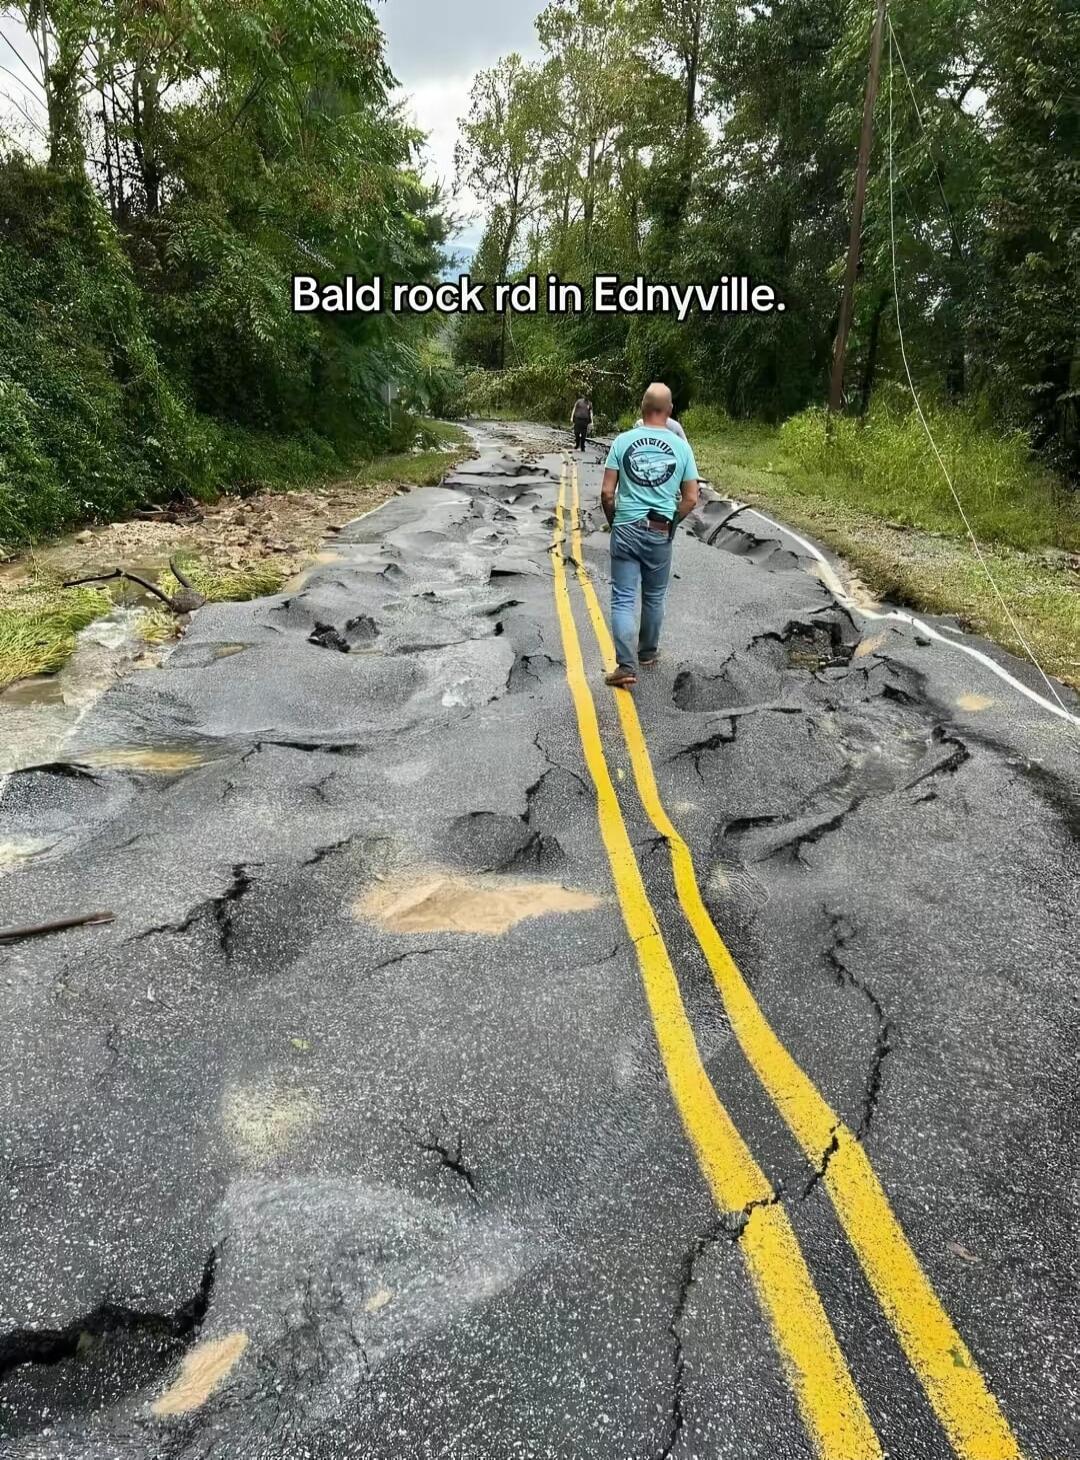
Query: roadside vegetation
[[242, 545], [440, 446], [185, 161], [706, 139], [882, 505], [700, 140]]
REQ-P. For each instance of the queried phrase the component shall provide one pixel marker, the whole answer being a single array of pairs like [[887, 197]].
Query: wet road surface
[[482, 1064]]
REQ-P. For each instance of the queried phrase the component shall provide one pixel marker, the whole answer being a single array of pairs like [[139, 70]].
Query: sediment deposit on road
[[359, 1130]]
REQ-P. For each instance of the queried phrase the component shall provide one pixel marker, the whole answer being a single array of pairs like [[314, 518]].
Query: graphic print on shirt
[[650, 461]]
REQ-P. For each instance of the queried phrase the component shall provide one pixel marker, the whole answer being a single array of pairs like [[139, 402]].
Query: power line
[[22, 61], [918, 405], [926, 136]]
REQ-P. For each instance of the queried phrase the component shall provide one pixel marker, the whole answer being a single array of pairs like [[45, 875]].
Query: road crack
[[841, 933], [47, 1346], [224, 908], [956, 755], [320, 854], [220, 909], [451, 1158]]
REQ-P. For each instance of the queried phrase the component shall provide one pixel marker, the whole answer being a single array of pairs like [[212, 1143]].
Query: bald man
[[650, 485]]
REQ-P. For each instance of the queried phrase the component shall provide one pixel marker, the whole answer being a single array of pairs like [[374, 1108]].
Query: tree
[[1030, 336], [501, 146], [499, 156], [199, 155]]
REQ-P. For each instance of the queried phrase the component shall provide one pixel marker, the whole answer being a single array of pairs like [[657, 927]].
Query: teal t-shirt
[[652, 463]]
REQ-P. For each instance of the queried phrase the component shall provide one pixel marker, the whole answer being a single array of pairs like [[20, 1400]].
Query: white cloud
[[22, 105], [429, 38], [435, 50], [435, 105]]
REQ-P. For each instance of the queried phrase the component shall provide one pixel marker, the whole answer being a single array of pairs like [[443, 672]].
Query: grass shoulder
[[881, 503], [241, 546]]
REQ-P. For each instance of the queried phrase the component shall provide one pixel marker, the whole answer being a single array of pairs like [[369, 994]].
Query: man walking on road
[[650, 485], [582, 421]]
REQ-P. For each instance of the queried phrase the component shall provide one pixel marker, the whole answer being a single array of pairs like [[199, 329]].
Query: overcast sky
[[434, 47]]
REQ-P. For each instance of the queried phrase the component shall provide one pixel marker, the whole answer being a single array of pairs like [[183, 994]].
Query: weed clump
[[885, 464]]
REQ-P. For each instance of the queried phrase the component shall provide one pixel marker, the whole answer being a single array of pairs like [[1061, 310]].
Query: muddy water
[[37, 715]]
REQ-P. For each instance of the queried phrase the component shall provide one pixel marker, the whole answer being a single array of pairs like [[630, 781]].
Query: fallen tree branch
[[186, 601], [58, 925]]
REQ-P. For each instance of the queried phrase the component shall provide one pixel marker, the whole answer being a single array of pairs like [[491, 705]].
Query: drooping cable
[[918, 404]]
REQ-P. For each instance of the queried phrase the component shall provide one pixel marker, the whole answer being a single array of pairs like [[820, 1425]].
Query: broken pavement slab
[[470, 1181]]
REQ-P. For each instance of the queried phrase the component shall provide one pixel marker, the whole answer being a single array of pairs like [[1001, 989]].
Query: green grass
[[446, 446], [433, 432], [878, 499], [38, 628], [38, 624], [226, 585], [886, 465]]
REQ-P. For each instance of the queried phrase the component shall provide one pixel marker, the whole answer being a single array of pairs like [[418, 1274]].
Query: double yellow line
[[831, 1407]]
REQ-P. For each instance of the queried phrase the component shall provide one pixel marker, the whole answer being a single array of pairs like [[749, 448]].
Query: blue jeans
[[639, 557]]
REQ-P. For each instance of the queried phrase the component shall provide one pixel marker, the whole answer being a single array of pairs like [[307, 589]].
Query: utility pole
[[847, 299]]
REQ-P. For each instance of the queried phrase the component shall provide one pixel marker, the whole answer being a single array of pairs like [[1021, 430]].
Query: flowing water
[[37, 715]]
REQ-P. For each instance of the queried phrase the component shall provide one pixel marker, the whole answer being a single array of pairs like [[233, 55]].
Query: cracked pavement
[[363, 1070]]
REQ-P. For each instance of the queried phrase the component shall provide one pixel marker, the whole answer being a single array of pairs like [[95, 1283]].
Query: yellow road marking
[[829, 1403], [968, 1411]]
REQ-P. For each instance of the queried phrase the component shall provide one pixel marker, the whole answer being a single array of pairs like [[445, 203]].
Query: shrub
[[705, 421]]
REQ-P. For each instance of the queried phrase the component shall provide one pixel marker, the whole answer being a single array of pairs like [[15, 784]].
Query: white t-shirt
[[672, 425]]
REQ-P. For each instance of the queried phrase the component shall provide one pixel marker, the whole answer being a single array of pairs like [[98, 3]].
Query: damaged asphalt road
[[350, 1134]]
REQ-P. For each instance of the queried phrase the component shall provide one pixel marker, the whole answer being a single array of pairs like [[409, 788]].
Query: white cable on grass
[[832, 581], [918, 404]]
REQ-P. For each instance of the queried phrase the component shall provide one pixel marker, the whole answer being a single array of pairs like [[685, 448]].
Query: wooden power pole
[[847, 299]]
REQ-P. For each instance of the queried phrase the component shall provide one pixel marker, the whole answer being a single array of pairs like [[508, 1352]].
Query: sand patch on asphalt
[[444, 903], [22, 849], [869, 646], [201, 1372], [261, 1121], [974, 702], [143, 759]]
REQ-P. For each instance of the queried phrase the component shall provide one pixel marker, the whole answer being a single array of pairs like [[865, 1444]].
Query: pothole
[[99, 1369], [487, 841], [738, 684], [441, 902], [810, 647], [358, 633], [54, 1376]]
